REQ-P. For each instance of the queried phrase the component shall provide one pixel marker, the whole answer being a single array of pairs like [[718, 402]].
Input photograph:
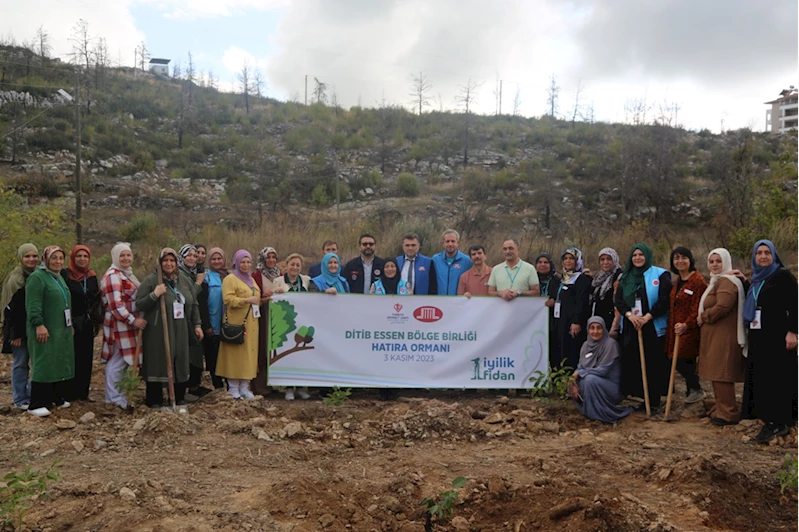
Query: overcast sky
[[719, 60]]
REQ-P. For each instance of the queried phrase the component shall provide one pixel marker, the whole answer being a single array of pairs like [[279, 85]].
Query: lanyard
[[178, 295], [294, 287], [558, 296], [757, 290], [61, 289], [512, 279], [84, 286]]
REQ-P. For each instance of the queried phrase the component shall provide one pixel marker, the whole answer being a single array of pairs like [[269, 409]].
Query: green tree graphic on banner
[[283, 320]]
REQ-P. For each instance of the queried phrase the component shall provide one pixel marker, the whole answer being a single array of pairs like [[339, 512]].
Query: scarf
[[16, 279], [570, 276], [595, 353], [47, 254], [223, 270], [603, 281], [116, 251], [633, 277], [182, 254], [75, 273], [726, 265], [171, 277], [759, 276], [270, 273], [246, 278], [197, 247], [544, 277], [391, 283], [333, 279]]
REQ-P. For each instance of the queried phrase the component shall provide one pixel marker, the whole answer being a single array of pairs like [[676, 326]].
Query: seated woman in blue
[[596, 385], [330, 282]]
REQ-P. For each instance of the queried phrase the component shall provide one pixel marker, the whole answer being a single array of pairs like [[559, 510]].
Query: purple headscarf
[[245, 277]]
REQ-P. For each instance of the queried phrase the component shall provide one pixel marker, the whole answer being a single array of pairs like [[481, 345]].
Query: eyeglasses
[[368, 244]]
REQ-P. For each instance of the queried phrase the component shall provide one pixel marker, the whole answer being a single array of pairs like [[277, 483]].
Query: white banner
[[406, 341]]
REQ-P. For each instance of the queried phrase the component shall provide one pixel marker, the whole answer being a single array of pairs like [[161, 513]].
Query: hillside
[[170, 159]]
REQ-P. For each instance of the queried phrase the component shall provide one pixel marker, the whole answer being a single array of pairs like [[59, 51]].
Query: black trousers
[[211, 351], [687, 368], [84, 358], [47, 394], [154, 394]]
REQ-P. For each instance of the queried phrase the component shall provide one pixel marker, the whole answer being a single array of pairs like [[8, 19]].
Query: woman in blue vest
[[642, 299], [390, 282], [330, 281]]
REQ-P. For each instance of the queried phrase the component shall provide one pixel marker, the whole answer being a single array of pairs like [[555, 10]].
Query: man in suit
[[415, 269], [364, 269], [329, 246]]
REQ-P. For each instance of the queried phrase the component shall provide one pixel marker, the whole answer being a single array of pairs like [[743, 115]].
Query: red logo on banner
[[428, 314], [397, 307]]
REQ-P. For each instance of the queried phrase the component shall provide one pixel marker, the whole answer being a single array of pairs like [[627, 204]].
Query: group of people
[[194, 314]]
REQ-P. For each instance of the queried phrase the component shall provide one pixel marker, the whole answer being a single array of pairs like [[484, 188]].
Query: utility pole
[[338, 197], [306, 90], [500, 97], [78, 184]]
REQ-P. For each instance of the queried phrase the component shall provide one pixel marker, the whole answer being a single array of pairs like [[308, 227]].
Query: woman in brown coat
[[683, 310], [723, 340]]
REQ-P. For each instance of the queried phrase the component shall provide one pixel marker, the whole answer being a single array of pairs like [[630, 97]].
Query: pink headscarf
[[245, 277]]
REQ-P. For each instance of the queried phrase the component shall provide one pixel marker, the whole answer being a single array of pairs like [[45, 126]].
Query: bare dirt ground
[[273, 465]]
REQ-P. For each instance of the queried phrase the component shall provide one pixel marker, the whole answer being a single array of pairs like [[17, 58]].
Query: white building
[[784, 113], [159, 67]]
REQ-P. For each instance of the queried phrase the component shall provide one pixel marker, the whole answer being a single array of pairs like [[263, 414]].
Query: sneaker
[[65, 404], [695, 396], [722, 422], [23, 406], [289, 395], [234, 393], [302, 394], [39, 412], [155, 406], [247, 395], [183, 410], [771, 431], [190, 397]]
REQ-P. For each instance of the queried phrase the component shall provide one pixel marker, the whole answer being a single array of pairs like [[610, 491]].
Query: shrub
[[408, 184], [143, 227], [319, 196]]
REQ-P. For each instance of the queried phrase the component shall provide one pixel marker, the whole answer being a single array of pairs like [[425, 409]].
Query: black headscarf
[[390, 283], [544, 277]]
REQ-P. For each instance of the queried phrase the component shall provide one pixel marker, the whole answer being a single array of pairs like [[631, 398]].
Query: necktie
[[412, 274]]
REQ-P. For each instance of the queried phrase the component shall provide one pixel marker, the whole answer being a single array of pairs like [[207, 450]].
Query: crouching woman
[[596, 384]]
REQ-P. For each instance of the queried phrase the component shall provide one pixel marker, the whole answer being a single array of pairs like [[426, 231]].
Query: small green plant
[[787, 475], [442, 506], [18, 489], [129, 384], [556, 382], [337, 397]]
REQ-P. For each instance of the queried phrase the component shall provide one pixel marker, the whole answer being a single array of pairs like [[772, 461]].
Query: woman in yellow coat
[[239, 362]]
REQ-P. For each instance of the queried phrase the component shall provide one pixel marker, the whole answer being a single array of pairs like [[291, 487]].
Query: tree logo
[[282, 320]]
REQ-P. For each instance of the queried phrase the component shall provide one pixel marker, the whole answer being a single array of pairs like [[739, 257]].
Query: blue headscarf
[[332, 279], [759, 276]]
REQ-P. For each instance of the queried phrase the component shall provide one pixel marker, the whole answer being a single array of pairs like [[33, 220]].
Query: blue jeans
[[20, 386]]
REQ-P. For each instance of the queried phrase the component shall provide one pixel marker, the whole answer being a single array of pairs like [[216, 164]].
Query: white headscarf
[[116, 251], [726, 266]]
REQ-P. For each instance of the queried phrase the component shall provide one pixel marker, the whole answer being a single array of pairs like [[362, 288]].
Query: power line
[[28, 122]]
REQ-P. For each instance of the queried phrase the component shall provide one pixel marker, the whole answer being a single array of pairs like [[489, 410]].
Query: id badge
[[556, 312], [177, 311], [256, 311], [756, 324], [68, 317], [639, 309]]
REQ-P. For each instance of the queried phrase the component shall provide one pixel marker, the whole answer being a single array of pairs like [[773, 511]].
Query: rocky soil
[[303, 466]]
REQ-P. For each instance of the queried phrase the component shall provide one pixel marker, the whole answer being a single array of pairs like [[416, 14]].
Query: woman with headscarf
[[330, 281], [266, 272], [214, 275], [238, 363], [683, 310], [189, 266], [570, 309], [390, 283], [723, 336], [15, 334], [770, 312], [548, 279], [642, 298], [596, 383], [292, 280], [48, 308], [602, 288], [202, 255], [182, 318], [85, 289], [121, 322]]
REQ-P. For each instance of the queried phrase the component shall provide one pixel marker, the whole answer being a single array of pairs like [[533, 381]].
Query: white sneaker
[[244, 390], [23, 406], [234, 392], [302, 394], [65, 404], [39, 412], [289, 395]]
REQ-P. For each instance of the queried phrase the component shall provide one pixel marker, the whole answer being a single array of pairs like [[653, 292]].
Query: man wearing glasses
[[364, 269]]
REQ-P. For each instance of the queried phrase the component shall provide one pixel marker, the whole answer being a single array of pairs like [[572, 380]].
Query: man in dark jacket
[[329, 246], [364, 269]]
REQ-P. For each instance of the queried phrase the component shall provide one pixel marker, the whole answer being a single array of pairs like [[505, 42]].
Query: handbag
[[234, 334]]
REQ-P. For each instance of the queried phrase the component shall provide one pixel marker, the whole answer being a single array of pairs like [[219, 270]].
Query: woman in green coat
[[48, 308], [182, 315]]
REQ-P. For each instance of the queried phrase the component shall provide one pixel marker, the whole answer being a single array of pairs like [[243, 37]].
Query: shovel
[[671, 377], [170, 374], [643, 371]]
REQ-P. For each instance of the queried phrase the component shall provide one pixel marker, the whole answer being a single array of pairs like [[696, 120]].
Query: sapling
[[18, 489], [442, 506], [337, 397]]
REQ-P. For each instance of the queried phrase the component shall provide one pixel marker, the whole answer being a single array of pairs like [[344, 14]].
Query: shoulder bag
[[234, 334]]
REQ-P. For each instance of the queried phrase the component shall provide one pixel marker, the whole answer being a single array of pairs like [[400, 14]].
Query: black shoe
[[155, 406], [722, 422], [200, 391], [771, 431]]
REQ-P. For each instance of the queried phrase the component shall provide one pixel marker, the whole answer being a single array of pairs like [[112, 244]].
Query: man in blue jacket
[[415, 269], [450, 264]]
